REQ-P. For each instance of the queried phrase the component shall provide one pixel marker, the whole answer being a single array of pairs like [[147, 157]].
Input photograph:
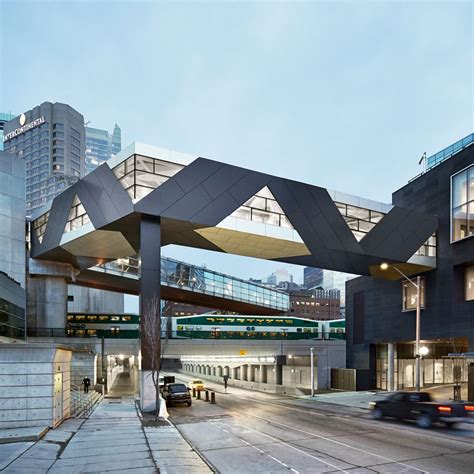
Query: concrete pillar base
[[147, 391]]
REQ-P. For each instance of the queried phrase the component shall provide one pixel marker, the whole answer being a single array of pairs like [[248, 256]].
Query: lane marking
[[260, 450], [359, 419], [300, 451], [331, 441]]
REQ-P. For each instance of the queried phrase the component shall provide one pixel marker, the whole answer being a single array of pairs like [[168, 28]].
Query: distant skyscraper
[[101, 145], [50, 138], [313, 277], [4, 118], [328, 280], [279, 276]]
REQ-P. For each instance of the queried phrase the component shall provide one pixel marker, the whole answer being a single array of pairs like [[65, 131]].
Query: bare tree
[[154, 344], [459, 365]]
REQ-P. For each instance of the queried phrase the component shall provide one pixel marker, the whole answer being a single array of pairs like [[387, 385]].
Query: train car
[[123, 326], [211, 326], [335, 329]]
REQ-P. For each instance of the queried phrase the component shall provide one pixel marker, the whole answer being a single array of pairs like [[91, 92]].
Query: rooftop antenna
[[87, 123], [423, 161]]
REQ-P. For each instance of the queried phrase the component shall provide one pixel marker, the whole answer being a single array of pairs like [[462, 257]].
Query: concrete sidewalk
[[112, 439]]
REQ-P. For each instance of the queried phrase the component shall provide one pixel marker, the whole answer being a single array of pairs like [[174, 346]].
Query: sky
[[341, 94]]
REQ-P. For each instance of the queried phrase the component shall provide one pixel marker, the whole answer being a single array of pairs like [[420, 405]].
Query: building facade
[[4, 118], [381, 314], [13, 247], [315, 304], [101, 146], [51, 139]]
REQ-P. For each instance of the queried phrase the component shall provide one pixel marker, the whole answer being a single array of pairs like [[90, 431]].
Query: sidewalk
[[113, 439]]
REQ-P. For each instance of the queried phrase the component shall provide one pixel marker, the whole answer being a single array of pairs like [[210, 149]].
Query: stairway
[[83, 404]]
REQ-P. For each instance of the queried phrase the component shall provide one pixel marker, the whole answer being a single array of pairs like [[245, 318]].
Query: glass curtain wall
[[462, 204]]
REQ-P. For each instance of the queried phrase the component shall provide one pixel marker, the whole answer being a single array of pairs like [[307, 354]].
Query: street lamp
[[417, 285]]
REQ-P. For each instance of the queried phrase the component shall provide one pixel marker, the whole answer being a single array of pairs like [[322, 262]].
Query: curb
[[25, 438]]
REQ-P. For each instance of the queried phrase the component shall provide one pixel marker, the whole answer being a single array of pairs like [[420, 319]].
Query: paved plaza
[[113, 439]]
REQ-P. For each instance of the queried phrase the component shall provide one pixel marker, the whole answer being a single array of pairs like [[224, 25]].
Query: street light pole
[[417, 343], [417, 285], [312, 371]]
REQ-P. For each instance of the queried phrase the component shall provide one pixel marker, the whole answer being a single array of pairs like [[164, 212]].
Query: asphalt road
[[249, 432]]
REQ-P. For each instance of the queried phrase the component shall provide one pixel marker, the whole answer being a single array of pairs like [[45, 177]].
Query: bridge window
[[360, 220], [77, 216], [462, 204], [39, 226], [140, 175], [263, 207]]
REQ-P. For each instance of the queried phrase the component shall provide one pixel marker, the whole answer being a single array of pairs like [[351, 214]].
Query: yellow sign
[[242, 352]]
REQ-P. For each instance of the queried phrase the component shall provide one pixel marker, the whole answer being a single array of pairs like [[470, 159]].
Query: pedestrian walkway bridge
[[188, 283]]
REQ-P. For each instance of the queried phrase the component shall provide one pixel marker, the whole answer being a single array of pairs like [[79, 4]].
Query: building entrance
[[438, 367]]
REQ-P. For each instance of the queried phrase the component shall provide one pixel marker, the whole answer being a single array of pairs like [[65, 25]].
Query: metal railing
[[82, 403], [444, 154]]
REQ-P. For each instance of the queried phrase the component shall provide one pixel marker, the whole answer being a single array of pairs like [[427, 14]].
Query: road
[[248, 432]]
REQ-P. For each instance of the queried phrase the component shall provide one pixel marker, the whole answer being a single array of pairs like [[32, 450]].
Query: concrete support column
[[278, 374], [47, 294], [150, 290], [391, 367], [234, 373], [263, 373], [244, 372], [251, 373]]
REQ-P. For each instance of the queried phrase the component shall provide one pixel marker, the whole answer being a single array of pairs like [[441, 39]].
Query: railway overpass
[[260, 364]]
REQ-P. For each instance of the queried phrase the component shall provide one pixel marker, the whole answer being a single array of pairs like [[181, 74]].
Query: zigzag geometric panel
[[225, 208]]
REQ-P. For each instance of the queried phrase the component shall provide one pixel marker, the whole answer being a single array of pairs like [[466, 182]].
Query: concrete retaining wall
[[27, 385]]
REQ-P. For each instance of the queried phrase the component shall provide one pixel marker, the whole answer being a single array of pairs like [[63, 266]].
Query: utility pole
[[312, 370]]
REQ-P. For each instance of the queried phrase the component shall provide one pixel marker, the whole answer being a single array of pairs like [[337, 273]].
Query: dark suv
[[418, 406], [175, 393]]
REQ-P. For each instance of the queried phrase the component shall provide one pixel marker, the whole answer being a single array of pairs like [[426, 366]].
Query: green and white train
[[207, 326], [211, 326]]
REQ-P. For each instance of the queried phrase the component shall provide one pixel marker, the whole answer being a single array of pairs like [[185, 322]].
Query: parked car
[[175, 393], [418, 406], [197, 384]]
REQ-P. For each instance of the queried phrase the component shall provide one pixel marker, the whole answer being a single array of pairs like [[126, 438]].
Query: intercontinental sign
[[24, 128]]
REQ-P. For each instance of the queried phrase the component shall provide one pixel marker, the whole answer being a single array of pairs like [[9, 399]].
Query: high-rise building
[[279, 276], [312, 277], [50, 137], [101, 146], [4, 118], [13, 248]]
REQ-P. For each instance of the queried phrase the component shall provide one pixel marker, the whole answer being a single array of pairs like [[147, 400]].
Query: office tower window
[[409, 293], [462, 204], [469, 284]]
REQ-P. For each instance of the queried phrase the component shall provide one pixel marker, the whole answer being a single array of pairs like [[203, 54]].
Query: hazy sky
[[342, 94]]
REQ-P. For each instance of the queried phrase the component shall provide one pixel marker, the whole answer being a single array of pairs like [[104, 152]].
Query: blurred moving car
[[418, 406], [196, 384], [175, 393]]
